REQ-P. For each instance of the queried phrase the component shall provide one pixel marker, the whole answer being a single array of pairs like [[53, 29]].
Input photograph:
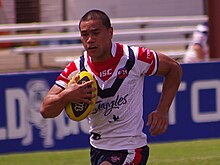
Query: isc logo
[[104, 73]]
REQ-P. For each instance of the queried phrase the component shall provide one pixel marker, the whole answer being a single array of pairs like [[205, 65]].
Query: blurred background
[[38, 38], [26, 11], [20, 12]]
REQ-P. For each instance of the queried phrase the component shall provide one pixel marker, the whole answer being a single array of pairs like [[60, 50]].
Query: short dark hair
[[96, 14]]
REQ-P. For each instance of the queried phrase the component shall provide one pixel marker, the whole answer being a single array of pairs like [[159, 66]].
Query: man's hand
[[158, 121], [79, 92], [57, 98]]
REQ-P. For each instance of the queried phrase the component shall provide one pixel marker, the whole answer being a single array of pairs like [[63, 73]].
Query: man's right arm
[[57, 98]]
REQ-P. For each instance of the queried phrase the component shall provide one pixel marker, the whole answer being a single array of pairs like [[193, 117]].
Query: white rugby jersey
[[116, 122]]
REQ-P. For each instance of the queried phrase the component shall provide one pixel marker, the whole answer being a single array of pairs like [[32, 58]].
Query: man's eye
[[84, 34], [96, 33]]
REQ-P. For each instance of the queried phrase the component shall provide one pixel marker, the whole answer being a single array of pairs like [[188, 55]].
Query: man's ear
[[110, 30]]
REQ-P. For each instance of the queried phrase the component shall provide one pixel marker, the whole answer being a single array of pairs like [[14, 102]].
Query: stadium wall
[[51, 10], [194, 114]]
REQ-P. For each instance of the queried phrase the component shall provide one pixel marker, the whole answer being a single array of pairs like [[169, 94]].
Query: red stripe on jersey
[[71, 67], [104, 70], [146, 55], [150, 70]]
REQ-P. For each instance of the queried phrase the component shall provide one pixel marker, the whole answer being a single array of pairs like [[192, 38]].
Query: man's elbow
[[177, 68]]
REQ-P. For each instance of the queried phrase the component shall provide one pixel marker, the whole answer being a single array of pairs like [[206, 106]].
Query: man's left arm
[[172, 73]]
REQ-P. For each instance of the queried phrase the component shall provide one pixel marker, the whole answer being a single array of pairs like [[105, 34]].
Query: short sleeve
[[66, 75], [149, 59]]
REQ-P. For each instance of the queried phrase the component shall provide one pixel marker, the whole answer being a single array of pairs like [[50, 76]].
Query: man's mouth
[[92, 47]]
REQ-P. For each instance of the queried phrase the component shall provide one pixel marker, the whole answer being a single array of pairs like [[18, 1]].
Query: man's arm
[[172, 73], [199, 51], [57, 98]]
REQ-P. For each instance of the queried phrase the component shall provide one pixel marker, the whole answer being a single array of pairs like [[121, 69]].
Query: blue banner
[[194, 114], [195, 111]]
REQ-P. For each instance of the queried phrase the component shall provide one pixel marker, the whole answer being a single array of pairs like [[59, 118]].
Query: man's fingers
[[87, 101], [149, 120], [87, 83], [159, 123], [76, 78], [157, 129], [87, 92], [87, 87], [89, 96], [156, 132], [152, 122]]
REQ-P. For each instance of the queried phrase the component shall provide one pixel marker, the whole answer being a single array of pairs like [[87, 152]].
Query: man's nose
[[90, 38]]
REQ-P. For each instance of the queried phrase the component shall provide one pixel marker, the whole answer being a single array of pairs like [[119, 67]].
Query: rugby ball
[[79, 111]]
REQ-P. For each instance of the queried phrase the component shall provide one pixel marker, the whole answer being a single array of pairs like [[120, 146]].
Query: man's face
[[96, 39]]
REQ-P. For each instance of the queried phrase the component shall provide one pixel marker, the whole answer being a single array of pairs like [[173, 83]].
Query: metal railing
[[178, 28]]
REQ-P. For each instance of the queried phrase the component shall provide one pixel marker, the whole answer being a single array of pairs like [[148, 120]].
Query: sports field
[[199, 152]]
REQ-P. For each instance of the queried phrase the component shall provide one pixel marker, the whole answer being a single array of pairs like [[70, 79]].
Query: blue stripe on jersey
[[118, 81]]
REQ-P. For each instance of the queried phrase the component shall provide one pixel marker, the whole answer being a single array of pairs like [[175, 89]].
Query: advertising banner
[[195, 111], [22, 127], [194, 114]]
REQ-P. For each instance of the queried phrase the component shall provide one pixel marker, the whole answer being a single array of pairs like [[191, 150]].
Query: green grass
[[199, 152]]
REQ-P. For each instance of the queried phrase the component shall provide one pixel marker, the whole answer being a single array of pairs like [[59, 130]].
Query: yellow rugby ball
[[79, 111]]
